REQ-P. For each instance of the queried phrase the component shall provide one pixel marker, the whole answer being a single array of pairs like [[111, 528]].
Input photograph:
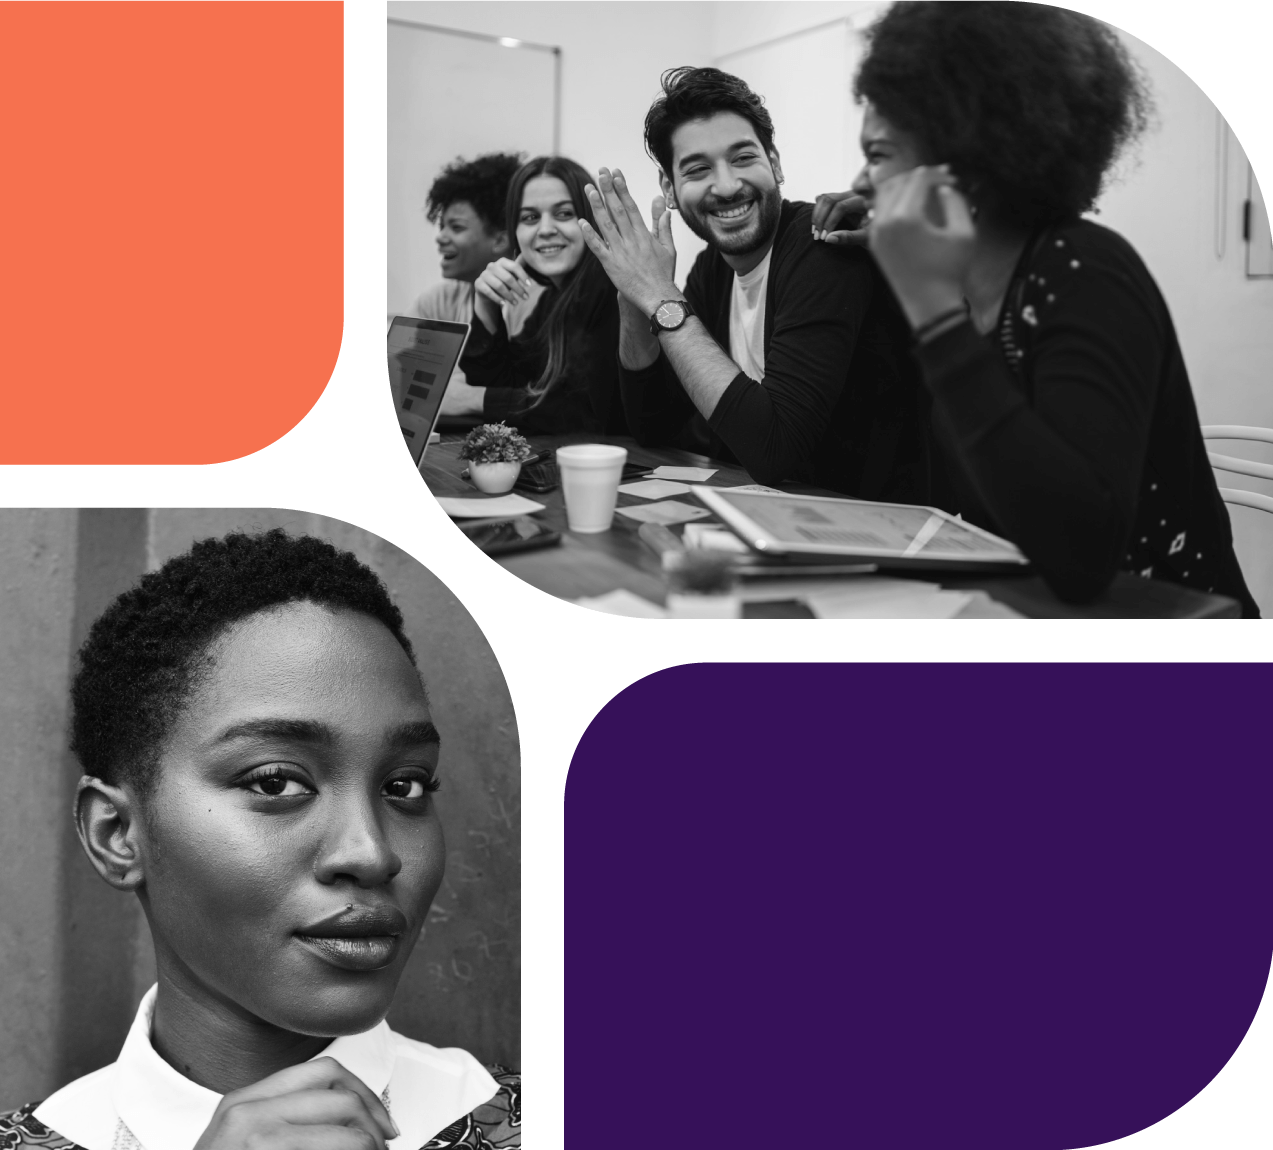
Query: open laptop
[[422, 355]]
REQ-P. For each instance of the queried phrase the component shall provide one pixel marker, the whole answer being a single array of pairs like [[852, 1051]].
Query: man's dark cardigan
[[841, 405]]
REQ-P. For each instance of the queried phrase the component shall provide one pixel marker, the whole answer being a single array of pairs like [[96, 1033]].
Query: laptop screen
[[422, 355]]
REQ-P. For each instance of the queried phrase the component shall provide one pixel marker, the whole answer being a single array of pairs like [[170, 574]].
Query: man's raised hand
[[641, 264]]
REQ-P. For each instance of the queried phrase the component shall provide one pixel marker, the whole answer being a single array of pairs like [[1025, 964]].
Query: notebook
[[422, 355]]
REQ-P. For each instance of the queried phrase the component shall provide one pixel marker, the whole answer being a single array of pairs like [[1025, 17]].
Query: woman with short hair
[[1061, 402], [260, 761]]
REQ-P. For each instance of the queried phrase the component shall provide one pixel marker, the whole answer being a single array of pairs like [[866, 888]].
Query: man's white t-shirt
[[747, 319]]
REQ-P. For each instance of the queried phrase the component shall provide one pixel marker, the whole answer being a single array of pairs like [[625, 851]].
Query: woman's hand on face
[[834, 209], [503, 281], [922, 237], [317, 1105]]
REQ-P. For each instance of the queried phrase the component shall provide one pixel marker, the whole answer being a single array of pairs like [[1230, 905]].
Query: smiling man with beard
[[785, 355]]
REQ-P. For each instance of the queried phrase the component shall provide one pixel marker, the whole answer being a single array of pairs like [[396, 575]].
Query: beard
[[742, 242]]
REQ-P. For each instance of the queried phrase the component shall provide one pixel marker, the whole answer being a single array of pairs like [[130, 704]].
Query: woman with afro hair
[[259, 765], [1061, 403]]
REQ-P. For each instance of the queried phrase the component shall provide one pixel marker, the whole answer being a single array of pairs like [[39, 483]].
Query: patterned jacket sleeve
[[19, 1129], [495, 1125]]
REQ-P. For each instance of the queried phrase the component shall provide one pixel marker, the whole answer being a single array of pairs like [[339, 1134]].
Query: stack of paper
[[878, 597], [654, 489], [623, 602], [683, 474], [497, 507]]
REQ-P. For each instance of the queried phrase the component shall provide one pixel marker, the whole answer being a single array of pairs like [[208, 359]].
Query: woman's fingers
[[823, 205], [834, 209], [514, 274], [858, 238], [494, 291], [504, 282], [959, 219], [318, 1074]]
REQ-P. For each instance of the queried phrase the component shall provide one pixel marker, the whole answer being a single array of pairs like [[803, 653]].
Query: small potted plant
[[495, 453]]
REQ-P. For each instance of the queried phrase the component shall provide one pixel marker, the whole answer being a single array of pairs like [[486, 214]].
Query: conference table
[[588, 566]]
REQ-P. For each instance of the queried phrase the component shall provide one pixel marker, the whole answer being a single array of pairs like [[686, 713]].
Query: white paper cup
[[590, 474]]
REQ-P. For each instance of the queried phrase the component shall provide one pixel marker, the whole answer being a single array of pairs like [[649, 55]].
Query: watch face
[[670, 314]]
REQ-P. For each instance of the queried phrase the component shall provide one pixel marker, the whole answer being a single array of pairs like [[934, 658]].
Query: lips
[[361, 954], [361, 939], [551, 250], [358, 922]]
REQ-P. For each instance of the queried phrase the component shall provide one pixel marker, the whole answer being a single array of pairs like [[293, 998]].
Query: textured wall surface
[[37, 593], [76, 955]]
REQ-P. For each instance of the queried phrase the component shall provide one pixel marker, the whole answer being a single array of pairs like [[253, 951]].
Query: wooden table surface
[[589, 565]]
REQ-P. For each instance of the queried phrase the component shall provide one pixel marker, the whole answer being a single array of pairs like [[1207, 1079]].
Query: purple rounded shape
[[1010, 907]]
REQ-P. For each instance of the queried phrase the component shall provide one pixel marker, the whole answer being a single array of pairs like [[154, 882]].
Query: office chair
[[1242, 466]]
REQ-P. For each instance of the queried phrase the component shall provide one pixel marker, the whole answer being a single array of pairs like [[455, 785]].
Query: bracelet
[[940, 324]]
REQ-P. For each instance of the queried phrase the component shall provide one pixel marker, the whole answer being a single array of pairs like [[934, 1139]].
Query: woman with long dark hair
[[1061, 402], [559, 373]]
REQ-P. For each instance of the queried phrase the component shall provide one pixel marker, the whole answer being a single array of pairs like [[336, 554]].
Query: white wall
[[612, 56], [428, 71], [1179, 201]]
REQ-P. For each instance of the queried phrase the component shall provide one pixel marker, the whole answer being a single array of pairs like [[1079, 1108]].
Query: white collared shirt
[[139, 1102]]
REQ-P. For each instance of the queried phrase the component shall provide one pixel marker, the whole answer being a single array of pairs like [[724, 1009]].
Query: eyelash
[[429, 784], [699, 173]]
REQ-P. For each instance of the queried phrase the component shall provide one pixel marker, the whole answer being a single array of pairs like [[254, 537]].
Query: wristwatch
[[670, 315]]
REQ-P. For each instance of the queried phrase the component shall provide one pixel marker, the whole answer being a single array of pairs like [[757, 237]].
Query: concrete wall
[[75, 954]]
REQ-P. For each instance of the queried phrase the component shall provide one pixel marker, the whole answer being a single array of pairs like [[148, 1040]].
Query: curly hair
[[143, 657], [482, 183], [695, 94], [1029, 104]]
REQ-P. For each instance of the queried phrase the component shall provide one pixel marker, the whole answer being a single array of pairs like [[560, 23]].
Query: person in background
[[1061, 402], [782, 354], [467, 203], [558, 374]]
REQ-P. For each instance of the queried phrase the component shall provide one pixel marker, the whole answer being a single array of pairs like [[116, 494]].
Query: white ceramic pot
[[494, 478]]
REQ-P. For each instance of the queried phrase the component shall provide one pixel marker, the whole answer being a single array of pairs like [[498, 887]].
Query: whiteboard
[[806, 80], [452, 95]]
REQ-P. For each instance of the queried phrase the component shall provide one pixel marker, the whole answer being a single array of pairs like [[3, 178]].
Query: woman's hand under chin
[[503, 281], [317, 1105], [922, 237]]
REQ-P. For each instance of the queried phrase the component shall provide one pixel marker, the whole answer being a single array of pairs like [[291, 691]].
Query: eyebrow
[[551, 207], [414, 734], [695, 157]]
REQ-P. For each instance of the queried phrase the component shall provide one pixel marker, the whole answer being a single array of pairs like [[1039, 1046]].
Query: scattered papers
[[623, 602], [667, 512], [943, 605], [500, 507], [709, 537], [654, 489], [685, 474], [884, 598]]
